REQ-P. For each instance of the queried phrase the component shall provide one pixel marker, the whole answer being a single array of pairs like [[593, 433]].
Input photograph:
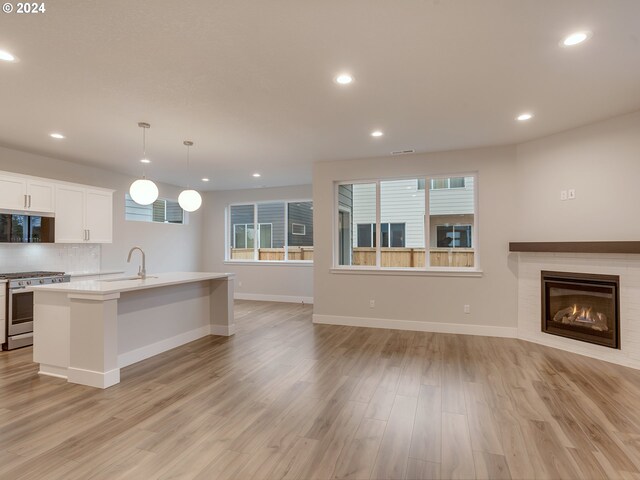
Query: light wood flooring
[[286, 399]]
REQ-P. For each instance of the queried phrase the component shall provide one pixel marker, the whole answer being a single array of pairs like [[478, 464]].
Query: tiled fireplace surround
[[627, 266]]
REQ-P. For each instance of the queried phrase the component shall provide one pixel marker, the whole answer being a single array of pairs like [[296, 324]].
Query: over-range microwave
[[20, 228]]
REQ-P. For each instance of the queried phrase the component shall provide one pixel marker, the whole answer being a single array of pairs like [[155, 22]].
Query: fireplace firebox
[[582, 307]]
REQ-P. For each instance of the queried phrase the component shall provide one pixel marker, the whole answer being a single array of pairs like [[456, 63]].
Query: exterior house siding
[[402, 202]]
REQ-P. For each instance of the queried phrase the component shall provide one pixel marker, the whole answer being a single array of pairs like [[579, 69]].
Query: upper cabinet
[[83, 215], [21, 193]]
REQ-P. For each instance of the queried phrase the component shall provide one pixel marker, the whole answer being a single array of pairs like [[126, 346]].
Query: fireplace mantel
[[576, 247]]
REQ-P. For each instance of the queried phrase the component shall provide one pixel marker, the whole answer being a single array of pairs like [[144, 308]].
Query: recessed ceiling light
[[256, 175], [145, 160], [524, 117], [376, 133], [205, 179], [344, 79], [7, 57], [59, 136], [575, 38]]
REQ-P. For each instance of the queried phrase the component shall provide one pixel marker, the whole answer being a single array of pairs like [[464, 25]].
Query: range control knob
[[28, 282], [41, 282], [21, 283]]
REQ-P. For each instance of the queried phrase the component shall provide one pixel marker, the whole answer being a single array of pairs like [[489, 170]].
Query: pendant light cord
[[144, 150]]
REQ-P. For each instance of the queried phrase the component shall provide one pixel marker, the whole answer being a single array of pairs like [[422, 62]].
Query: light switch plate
[[572, 193], [563, 195]]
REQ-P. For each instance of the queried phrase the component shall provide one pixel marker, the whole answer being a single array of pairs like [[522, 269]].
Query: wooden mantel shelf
[[576, 247]]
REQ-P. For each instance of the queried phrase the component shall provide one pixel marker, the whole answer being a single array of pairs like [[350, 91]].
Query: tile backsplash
[[70, 258]]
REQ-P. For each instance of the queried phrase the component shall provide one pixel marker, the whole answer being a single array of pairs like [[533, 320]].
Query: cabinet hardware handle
[[25, 201], [29, 201], [88, 235]]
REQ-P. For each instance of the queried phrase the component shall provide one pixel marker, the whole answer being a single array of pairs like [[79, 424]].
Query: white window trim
[[304, 229], [428, 270], [254, 261]]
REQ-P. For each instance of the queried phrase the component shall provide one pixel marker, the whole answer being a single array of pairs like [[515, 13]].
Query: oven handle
[[17, 290]]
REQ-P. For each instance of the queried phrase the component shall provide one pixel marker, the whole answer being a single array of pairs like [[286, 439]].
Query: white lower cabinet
[[83, 215], [3, 319]]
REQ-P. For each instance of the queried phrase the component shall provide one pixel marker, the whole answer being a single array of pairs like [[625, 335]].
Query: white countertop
[[102, 287], [91, 274]]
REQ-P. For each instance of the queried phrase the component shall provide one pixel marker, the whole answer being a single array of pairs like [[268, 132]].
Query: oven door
[[20, 311]]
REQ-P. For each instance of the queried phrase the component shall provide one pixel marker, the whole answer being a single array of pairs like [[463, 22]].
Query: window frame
[[427, 269], [255, 260], [304, 228]]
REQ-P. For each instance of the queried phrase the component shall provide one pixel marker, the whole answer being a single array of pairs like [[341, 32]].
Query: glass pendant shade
[[143, 192], [189, 200]]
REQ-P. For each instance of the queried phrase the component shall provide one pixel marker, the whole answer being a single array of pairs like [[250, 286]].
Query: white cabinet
[[3, 320], [83, 215], [41, 196], [21, 193], [13, 193], [99, 216]]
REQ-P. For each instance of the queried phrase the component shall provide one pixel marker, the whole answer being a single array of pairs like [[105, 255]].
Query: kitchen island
[[86, 331]]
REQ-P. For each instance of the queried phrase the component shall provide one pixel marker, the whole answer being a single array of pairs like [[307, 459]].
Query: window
[[271, 231], [451, 182], [160, 211], [395, 224], [367, 234], [298, 229], [453, 236]]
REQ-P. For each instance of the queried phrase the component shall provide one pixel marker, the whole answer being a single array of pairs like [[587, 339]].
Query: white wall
[[428, 300], [283, 282], [602, 162], [168, 247]]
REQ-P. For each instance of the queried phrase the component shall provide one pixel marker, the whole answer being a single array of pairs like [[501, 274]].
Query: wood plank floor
[[286, 399]]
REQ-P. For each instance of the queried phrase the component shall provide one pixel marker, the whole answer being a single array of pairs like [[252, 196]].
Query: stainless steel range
[[20, 304]]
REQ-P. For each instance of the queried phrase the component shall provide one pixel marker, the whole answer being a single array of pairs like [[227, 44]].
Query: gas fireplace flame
[[582, 315]]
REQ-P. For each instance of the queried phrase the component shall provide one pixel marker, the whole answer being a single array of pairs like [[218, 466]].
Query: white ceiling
[[250, 82]]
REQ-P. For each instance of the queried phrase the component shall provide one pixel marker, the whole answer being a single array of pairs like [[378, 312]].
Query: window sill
[[433, 272], [298, 263]]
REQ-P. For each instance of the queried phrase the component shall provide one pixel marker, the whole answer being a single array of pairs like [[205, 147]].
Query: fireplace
[[582, 306]]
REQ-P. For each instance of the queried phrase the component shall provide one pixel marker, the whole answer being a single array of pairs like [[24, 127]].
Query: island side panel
[[93, 339], [155, 320], [51, 333], [221, 298]]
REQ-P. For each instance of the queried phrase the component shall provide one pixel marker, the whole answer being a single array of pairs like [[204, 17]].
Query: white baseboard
[[482, 330], [224, 330], [273, 298], [134, 356], [53, 371], [92, 378]]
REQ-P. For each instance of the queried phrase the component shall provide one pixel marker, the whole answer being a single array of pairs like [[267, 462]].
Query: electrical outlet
[[572, 193], [467, 309], [372, 304], [239, 283], [563, 195]]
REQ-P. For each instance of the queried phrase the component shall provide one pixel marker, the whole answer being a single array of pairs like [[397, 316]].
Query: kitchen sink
[[124, 279]]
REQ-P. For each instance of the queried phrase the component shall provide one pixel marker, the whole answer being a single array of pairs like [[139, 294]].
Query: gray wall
[[602, 162], [424, 298], [284, 280], [168, 247]]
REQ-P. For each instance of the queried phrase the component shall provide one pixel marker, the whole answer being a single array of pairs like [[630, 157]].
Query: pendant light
[[143, 191], [189, 199]]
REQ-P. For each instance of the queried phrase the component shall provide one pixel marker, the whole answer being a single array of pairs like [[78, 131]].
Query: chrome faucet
[[142, 270]]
